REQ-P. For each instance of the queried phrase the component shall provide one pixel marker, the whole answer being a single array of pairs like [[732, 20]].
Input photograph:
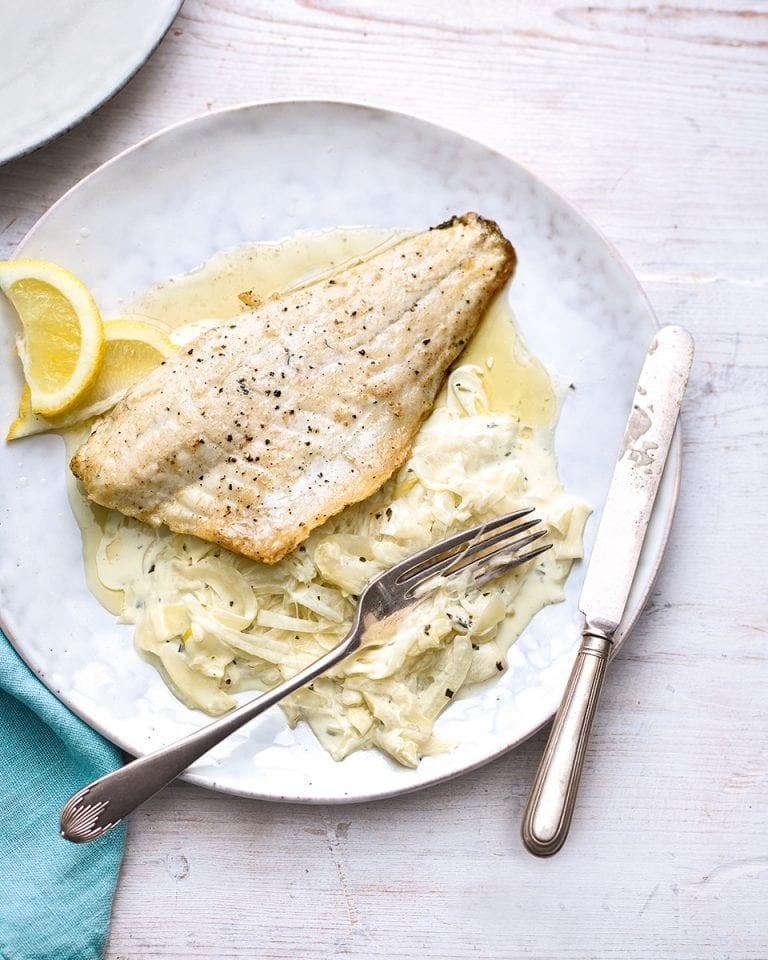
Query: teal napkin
[[55, 896]]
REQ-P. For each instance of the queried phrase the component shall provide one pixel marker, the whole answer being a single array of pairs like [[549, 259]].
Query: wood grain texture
[[652, 118]]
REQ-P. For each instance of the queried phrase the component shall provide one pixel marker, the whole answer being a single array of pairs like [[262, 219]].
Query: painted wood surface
[[653, 119]]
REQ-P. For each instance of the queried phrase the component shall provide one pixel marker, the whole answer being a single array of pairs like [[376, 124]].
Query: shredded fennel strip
[[218, 623]]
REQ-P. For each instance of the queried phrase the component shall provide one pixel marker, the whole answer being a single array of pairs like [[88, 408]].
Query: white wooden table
[[656, 125]]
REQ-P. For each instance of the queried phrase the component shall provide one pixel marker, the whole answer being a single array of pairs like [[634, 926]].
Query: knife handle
[[548, 813]]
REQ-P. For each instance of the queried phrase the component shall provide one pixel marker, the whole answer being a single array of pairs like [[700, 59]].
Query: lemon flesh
[[132, 349], [63, 338]]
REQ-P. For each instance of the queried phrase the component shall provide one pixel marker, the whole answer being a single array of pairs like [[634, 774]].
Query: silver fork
[[467, 559]]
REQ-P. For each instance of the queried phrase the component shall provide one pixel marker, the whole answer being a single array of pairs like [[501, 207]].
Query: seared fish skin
[[261, 429]]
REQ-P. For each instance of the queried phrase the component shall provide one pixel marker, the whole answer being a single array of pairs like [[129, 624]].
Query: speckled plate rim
[[671, 478], [74, 117]]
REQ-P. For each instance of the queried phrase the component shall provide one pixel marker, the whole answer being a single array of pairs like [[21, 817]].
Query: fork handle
[[97, 808], [548, 814]]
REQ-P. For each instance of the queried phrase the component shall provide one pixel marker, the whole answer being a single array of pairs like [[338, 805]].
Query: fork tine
[[426, 569], [423, 561], [490, 561], [488, 572]]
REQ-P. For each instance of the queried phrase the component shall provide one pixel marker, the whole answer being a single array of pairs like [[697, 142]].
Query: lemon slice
[[132, 349], [63, 337]]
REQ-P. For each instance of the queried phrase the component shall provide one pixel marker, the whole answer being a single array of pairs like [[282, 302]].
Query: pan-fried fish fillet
[[263, 428]]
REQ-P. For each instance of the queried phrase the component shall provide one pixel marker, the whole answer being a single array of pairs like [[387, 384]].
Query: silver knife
[[607, 583]]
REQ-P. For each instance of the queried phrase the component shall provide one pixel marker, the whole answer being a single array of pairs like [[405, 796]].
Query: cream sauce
[[91, 518]]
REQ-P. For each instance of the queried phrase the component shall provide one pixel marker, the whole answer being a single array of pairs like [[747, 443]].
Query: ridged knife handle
[[553, 795]]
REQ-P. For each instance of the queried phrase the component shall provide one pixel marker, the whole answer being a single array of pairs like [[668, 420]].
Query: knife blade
[[636, 478], [611, 570]]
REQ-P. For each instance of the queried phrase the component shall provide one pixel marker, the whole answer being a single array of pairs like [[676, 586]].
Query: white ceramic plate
[[61, 60], [262, 172]]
